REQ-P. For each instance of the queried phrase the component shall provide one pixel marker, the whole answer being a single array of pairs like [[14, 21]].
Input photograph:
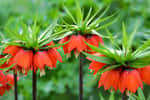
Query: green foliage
[[61, 83], [125, 56], [83, 23], [141, 94]]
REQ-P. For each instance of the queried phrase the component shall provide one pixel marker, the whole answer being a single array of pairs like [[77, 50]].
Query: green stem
[[81, 78]]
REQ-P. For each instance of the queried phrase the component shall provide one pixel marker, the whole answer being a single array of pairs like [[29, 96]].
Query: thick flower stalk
[[123, 68]]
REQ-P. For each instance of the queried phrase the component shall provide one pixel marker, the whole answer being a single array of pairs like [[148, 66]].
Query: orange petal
[[2, 91], [50, 43], [80, 44], [41, 58], [65, 47], [96, 66], [130, 80], [12, 50], [73, 43], [23, 58], [55, 53], [94, 40], [134, 81], [52, 57], [98, 38], [102, 79], [116, 79], [123, 79], [110, 79], [145, 74], [10, 79], [3, 80]]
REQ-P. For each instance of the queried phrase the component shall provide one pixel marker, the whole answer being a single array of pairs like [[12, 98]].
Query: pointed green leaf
[[102, 50], [79, 13], [110, 68], [100, 20], [92, 17], [124, 38], [132, 37], [3, 60], [142, 47], [112, 39], [55, 45], [101, 96], [107, 24], [112, 96], [70, 15], [6, 69], [141, 94], [99, 58], [88, 16], [140, 63]]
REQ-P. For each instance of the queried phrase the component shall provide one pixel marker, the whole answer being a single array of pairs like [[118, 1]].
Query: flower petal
[[41, 58], [12, 50], [55, 53], [73, 43], [130, 80], [145, 74], [110, 79], [80, 45], [96, 66], [65, 47], [3, 80], [2, 91], [23, 59]]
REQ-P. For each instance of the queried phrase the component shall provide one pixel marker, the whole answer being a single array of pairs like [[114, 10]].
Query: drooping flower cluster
[[6, 82], [121, 68], [122, 78], [77, 43], [25, 59], [83, 29]]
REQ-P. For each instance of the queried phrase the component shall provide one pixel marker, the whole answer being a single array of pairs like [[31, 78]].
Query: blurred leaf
[[99, 58], [141, 94], [112, 96]]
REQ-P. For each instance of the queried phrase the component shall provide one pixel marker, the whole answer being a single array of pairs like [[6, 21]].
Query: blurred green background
[[62, 83]]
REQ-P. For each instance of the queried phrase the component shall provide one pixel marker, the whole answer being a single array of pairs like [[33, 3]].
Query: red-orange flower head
[[82, 29], [77, 43], [145, 73], [122, 78], [26, 59], [6, 82], [121, 67]]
